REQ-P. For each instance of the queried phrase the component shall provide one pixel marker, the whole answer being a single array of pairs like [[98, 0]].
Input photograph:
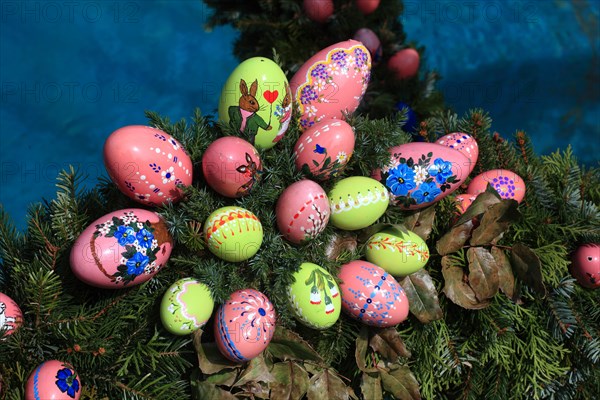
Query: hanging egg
[[147, 164], [123, 248], [302, 211], [585, 265], [324, 149], [356, 202], [367, 6], [186, 306], [370, 40], [508, 184], [405, 63], [11, 317], [231, 166], [371, 295], [314, 296], [244, 325], [464, 143], [233, 233], [53, 379], [421, 174], [399, 253], [318, 10], [331, 82], [256, 101], [463, 201]]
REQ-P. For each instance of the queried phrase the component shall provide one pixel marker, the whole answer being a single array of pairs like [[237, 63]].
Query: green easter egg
[[315, 297], [399, 253], [257, 101], [233, 233], [357, 202], [186, 306]]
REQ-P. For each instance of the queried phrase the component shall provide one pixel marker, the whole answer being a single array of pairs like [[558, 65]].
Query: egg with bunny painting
[[256, 101]]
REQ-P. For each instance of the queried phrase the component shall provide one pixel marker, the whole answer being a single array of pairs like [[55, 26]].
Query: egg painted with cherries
[[186, 306], [11, 317], [357, 202], [53, 379], [508, 184], [398, 252]]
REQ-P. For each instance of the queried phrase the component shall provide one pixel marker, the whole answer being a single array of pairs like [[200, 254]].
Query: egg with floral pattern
[[398, 252], [356, 202], [324, 149], [332, 82], [233, 233], [420, 174], [11, 317], [121, 249], [53, 379], [302, 211], [585, 265], [244, 325], [508, 184], [371, 295], [464, 143], [147, 164], [186, 306], [314, 296]]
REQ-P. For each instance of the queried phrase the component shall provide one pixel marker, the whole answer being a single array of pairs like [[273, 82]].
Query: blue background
[[73, 72]]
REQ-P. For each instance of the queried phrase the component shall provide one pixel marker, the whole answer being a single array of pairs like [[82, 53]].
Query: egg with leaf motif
[[53, 379], [399, 252], [186, 306]]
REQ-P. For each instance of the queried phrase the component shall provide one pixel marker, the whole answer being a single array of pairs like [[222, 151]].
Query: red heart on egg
[[270, 96]]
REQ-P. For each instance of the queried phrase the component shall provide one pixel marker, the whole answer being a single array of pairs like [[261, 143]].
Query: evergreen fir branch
[[11, 245]]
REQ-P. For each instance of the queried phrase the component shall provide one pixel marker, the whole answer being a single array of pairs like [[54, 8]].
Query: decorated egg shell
[[302, 211], [331, 82], [356, 202], [585, 265], [398, 252], [463, 201], [147, 164], [244, 325], [233, 233], [256, 100], [314, 296], [370, 40], [324, 149], [371, 295], [508, 184], [11, 317], [53, 379], [421, 174], [186, 306], [231, 166], [123, 248], [464, 143]]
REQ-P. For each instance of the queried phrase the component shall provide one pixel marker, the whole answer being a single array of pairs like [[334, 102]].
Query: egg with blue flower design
[[53, 379], [121, 249]]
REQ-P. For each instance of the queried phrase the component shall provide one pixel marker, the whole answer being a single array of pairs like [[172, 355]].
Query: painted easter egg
[[508, 184], [147, 164], [405, 63], [371, 295], [55, 380], [123, 248], [420, 174], [231, 166], [256, 101], [302, 211], [398, 252], [464, 143], [463, 201], [585, 265], [314, 296], [186, 306], [370, 40], [331, 82], [233, 233], [244, 325], [11, 317], [324, 149], [318, 10], [356, 202]]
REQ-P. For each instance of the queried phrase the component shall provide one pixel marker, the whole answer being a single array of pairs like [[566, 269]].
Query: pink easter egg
[[371, 295], [121, 249], [508, 184], [147, 164], [464, 143], [318, 10], [231, 166], [244, 325], [370, 40], [463, 201], [11, 317], [302, 211], [324, 149], [420, 174], [331, 82], [53, 380], [367, 6], [405, 63], [585, 265]]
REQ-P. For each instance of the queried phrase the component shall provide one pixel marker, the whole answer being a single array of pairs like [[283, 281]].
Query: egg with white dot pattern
[[464, 143]]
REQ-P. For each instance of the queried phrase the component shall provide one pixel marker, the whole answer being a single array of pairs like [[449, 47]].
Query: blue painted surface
[[73, 72]]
